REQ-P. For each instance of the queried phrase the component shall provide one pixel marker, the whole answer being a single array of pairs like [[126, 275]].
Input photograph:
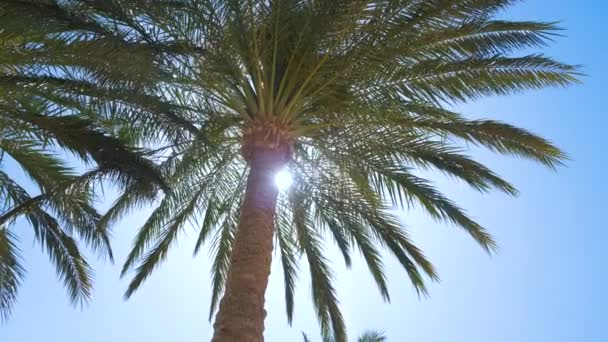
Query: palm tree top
[[355, 92]]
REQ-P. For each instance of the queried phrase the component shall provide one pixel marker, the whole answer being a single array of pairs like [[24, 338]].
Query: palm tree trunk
[[241, 313]]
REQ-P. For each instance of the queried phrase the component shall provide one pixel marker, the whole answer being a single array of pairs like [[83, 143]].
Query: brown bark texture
[[241, 313]]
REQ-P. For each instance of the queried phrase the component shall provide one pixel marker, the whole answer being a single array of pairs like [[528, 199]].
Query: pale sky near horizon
[[547, 283]]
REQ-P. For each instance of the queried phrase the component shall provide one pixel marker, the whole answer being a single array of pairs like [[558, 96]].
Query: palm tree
[[368, 336], [34, 134], [351, 96]]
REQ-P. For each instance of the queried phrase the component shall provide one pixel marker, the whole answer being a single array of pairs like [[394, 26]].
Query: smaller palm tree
[[368, 336]]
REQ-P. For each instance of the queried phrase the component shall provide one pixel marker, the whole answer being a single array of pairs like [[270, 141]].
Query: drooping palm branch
[[37, 127], [360, 89], [60, 212]]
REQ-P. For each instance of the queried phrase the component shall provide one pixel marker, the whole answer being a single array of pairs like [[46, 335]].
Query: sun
[[283, 179]]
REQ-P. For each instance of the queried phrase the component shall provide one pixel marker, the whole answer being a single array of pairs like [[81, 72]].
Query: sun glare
[[283, 180]]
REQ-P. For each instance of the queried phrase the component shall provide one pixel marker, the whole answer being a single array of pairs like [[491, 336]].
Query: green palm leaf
[[11, 272]]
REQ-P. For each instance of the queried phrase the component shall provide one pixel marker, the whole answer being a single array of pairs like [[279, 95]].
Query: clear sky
[[547, 283]]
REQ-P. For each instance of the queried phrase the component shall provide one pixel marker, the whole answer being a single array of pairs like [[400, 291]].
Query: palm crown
[[353, 92]]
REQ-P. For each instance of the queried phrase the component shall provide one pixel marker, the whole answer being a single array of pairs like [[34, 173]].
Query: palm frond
[[222, 249], [289, 256], [323, 292], [71, 267], [11, 272], [166, 237]]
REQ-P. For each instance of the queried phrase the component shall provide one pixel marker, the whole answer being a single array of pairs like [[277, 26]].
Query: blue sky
[[546, 283]]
